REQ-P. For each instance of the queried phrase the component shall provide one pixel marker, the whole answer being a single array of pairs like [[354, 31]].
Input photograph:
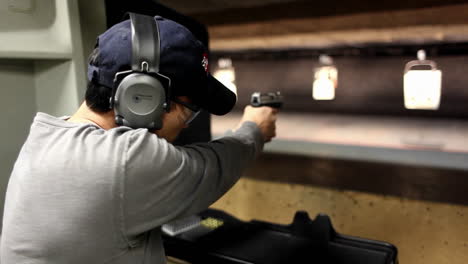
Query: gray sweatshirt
[[81, 194]]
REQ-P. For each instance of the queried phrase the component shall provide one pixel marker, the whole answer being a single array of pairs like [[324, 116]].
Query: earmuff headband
[[145, 43]]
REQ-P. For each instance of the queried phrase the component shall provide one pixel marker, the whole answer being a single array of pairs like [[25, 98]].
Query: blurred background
[[374, 123]]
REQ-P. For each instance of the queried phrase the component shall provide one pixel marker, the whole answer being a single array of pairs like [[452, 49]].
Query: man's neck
[[85, 115]]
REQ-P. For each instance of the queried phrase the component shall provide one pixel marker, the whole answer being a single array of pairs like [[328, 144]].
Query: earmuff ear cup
[[139, 102]]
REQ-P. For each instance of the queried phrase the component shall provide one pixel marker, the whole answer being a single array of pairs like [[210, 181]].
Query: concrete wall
[[18, 106], [92, 22], [42, 68]]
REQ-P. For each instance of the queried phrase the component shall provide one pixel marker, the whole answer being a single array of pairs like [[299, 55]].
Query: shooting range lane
[[397, 183], [431, 143]]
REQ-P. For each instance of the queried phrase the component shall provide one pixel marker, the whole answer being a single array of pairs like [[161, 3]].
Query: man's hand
[[264, 117]]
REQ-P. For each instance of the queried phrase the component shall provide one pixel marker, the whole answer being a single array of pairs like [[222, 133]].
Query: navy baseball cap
[[183, 59]]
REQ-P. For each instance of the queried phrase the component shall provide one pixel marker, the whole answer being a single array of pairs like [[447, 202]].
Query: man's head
[[182, 58]]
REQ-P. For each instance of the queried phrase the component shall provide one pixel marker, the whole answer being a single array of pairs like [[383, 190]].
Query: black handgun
[[272, 99]]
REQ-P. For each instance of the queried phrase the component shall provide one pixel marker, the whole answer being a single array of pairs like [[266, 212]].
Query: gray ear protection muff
[[139, 97]]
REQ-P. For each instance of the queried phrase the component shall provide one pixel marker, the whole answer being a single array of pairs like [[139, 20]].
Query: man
[[85, 190]]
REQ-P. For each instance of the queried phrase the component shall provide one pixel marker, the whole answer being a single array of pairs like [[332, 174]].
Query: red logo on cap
[[205, 62]]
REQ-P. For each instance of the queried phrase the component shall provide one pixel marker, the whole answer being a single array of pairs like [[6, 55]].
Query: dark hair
[[97, 96]]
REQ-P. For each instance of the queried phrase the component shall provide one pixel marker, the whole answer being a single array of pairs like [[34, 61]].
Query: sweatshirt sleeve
[[163, 182]]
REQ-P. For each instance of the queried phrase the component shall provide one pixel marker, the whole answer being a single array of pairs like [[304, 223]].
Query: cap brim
[[219, 100]]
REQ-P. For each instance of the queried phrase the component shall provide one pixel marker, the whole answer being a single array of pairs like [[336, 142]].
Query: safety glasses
[[195, 110]]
